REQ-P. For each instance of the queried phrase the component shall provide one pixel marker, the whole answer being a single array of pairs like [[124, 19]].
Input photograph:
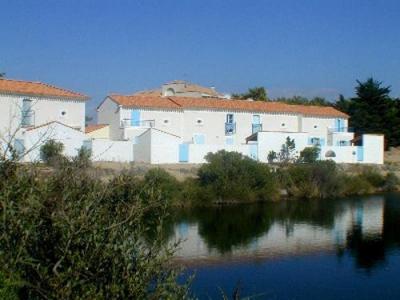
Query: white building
[[34, 112], [202, 125]]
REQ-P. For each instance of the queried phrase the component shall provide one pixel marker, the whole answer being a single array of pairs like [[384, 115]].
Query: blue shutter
[[254, 151], [135, 117], [183, 153], [19, 147], [322, 142], [310, 141]]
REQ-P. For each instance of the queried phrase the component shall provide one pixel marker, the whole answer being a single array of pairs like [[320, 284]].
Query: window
[[199, 139], [315, 126], [256, 119], [283, 125], [27, 113], [63, 113], [199, 122], [229, 119], [166, 122]]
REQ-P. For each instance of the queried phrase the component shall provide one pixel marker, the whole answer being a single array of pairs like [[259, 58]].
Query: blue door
[[135, 117], [360, 153], [254, 151], [183, 152]]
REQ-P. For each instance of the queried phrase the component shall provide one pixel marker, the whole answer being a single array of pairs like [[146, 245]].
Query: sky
[[309, 48]]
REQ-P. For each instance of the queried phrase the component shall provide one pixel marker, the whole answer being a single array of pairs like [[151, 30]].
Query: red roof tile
[[19, 87], [224, 104]]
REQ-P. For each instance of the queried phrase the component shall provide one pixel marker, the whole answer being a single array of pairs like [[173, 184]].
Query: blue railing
[[230, 128], [256, 128], [340, 129], [143, 123]]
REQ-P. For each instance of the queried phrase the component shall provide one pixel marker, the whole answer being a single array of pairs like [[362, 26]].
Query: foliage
[[392, 182], [257, 93], [373, 111], [299, 100], [309, 154], [83, 159], [272, 156], [287, 151], [231, 176], [2, 74], [317, 180], [51, 151], [65, 236]]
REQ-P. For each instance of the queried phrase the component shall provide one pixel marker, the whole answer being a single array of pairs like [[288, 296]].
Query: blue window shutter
[[360, 153], [19, 146], [310, 142], [135, 117], [229, 141], [322, 142]]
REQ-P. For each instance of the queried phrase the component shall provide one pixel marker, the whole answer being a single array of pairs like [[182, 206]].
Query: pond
[[332, 249]]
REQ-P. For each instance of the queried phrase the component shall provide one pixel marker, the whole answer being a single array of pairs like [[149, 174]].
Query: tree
[[309, 155], [257, 93], [287, 151], [272, 156], [2, 74], [318, 101], [373, 111]]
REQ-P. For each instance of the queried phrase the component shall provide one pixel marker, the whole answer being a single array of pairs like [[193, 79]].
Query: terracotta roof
[[19, 87], [94, 127], [223, 104], [145, 101]]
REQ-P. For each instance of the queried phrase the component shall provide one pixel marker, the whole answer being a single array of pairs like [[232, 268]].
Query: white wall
[[109, 112], [373, 145], [344, 154], [34, 139], [273, 141], [107, 150]]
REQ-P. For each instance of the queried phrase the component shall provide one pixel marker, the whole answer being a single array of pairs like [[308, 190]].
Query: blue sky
[[310, 48]]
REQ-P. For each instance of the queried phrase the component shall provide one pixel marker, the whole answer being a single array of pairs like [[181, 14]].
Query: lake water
[[337, 249]]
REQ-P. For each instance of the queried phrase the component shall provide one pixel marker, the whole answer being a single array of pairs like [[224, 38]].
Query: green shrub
[[309, 154], [317, 180], [231, 176], [51, 152], [68, 237], [83, 159], [392, 182], [356, 185], [373, 176]]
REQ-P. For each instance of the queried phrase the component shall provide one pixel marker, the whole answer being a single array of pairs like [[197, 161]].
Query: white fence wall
[[343, 154], [107, 150]]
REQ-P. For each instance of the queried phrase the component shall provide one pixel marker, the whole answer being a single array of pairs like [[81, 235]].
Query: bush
[[392, 182], [51, 152], [317, 180], [83, 159], [231, 176], [67, 237], [373, 176], [309, 155]]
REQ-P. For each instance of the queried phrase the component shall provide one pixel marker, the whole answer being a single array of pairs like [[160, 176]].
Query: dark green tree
[[257, 93], [373, 111], [2, 74]]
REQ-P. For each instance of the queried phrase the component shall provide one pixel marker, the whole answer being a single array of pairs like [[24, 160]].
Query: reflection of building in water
[[302, 237]]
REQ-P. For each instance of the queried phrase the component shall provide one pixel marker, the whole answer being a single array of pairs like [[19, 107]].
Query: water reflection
[[365, 228]]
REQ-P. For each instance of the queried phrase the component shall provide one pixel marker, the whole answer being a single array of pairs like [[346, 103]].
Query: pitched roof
[[50, 123], [94, 127], [20, 87], [223, 104]]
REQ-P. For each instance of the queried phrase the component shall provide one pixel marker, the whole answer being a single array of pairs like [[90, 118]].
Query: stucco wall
[[45, 110], [34, 139], [198, 152], [107, 150], [110, 113], [101, 133], [373, 145]]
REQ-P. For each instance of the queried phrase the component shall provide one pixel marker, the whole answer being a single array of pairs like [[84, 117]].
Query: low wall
[[343, 154], [107, 150]]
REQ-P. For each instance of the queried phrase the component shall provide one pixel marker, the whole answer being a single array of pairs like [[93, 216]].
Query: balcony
[[340, 129], [230, 128], [28, 118], [256, 128], [144, 123]]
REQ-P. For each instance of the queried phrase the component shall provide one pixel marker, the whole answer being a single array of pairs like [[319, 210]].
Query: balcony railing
[[28, 118], [144, 123], [256, 128], [230, 128], [340, 129]]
